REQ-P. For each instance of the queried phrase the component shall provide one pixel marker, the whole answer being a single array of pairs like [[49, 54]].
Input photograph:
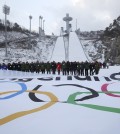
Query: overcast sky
[[90, 14]]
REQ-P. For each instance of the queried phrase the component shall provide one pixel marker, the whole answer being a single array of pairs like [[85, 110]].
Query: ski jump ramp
[[59, 51], [75, 50]]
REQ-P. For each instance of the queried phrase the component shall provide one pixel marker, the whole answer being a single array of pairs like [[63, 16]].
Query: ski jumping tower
[[68, 46], [67, 19]]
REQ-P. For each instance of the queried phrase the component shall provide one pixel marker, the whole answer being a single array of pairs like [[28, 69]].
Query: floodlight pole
[[41, 22], [6, 11], [30, 17], [40, 28], [43, 29]]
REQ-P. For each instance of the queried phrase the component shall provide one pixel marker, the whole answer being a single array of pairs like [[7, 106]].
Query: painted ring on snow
[[23, 89]]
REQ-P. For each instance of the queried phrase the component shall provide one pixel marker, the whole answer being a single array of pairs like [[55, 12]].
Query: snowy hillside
[[92, 44], [111, 39], [20, 48], [93, 49], [11, 36]]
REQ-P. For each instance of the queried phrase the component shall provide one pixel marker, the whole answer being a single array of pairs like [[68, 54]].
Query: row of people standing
[[66, 68]]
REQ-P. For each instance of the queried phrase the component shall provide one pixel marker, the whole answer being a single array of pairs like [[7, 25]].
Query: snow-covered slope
[[76, 52], [75, 49], [93, 49], [19, 48], [58, 54], [11, 36]]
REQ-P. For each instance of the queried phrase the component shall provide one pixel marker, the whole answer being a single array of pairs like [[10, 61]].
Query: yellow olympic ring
[[14, 116]]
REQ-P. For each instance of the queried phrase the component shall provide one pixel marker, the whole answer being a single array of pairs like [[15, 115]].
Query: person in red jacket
[[58, 67]]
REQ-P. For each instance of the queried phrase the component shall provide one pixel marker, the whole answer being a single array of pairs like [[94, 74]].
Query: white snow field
[[76, 52], [40, 104], [58, 51]]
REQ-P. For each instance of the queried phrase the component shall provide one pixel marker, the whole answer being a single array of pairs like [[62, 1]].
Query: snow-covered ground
[[76, 52], [11, 35], [41, 51], [58, 52], [93, 49], [40, 104]]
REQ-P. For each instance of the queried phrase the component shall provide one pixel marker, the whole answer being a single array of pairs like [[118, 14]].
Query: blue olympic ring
[[23, 89]]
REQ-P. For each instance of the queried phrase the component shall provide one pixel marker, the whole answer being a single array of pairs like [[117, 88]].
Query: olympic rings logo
[[91, 93]]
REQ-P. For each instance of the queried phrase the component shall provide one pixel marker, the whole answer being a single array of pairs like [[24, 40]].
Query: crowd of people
[[66, 68]]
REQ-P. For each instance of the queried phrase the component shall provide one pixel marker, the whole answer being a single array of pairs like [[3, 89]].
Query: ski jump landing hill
[[75, 49]]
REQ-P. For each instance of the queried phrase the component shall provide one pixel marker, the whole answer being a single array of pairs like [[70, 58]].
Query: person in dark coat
[[27, 67], [91, 67], [32, 67], [86, 68], [104, 64], [82, 68], [78, 68], [64, 68], [19, 66], [53, 67], [4, 66], [71, 68], [67, 67], [9, 66], [37, 67], [97, 67], [48, 67], [14, 66], [75, 68], [43, 68]]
